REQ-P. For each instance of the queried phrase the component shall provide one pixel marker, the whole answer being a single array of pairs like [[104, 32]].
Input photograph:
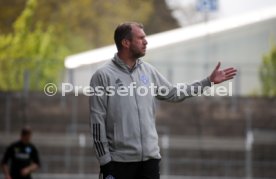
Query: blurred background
[[49, 41]]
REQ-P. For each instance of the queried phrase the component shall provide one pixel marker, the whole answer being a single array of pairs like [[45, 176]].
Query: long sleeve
[[35, 156], [179, 92], [7, 155], [98, 113]]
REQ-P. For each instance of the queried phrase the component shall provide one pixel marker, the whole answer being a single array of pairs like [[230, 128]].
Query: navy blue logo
[[144, 79], [28, 150]]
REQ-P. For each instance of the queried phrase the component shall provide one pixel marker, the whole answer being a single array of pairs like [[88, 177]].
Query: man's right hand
[[106, 167]]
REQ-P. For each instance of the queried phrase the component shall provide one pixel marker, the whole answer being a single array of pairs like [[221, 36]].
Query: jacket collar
[[124, 66]]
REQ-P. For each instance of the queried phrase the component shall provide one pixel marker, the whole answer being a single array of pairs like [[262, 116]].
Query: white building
[[187, 12], [190, 53]]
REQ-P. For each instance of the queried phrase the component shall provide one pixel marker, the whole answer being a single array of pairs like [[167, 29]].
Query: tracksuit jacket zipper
[[130, 73], [138, 111]]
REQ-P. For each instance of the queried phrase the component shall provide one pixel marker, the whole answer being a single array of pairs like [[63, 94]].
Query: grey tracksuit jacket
[[123, 127]]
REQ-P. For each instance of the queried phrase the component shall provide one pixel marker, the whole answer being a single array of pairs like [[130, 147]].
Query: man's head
[[26, 135], [131, 38]]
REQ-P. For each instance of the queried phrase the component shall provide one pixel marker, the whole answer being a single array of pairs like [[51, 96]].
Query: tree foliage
[[9, 11], [29, 49], [36, 37], [268, 73], [161, 19], [83, 24]]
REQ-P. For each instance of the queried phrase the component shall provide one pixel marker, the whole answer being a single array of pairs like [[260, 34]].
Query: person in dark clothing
[[21, 158]]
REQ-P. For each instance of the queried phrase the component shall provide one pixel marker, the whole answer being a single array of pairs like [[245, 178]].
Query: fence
[[208, 138]]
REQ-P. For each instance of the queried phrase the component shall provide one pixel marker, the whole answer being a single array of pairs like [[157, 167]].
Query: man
[[123, 124], [22, 157]]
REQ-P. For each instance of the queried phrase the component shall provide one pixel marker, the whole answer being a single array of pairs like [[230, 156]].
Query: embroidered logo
[[119, 82], [144, 79]]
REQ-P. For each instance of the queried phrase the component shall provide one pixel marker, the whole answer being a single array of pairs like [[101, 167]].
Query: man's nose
[[145, 42]]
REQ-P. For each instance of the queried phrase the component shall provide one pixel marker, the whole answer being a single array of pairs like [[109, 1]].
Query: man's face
[[26, 138], [138, 43]]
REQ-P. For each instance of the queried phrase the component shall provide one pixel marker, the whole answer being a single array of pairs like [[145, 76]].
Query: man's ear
[[125, 43]]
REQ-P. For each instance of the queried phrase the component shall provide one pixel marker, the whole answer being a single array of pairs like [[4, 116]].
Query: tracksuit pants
[[131, 170]]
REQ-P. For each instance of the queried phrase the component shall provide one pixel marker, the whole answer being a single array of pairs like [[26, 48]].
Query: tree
[[48, 30], [161, 18], [29, 49], [83, 24], [268, 73], [91, 23], [9, 11]]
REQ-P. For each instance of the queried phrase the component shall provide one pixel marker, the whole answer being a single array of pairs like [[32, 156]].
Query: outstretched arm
[[219, 76]]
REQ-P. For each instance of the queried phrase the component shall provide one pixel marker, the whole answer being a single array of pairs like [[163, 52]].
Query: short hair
[[124, 31], [26, 131]]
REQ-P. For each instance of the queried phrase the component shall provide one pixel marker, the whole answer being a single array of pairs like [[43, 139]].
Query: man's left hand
[[219, 76]]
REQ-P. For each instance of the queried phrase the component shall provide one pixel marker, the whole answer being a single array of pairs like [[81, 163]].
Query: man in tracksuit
[[122, 118]]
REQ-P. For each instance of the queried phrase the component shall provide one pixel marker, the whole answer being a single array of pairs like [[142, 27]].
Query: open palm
[[219, 76]]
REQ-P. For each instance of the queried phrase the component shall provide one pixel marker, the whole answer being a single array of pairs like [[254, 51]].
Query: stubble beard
[[136, 53]]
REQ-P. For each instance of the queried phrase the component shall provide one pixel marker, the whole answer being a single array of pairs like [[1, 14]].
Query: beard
[[136, 52]]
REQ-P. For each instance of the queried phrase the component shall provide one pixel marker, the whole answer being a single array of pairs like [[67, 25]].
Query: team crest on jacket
[[144, 79], [28, 149]]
